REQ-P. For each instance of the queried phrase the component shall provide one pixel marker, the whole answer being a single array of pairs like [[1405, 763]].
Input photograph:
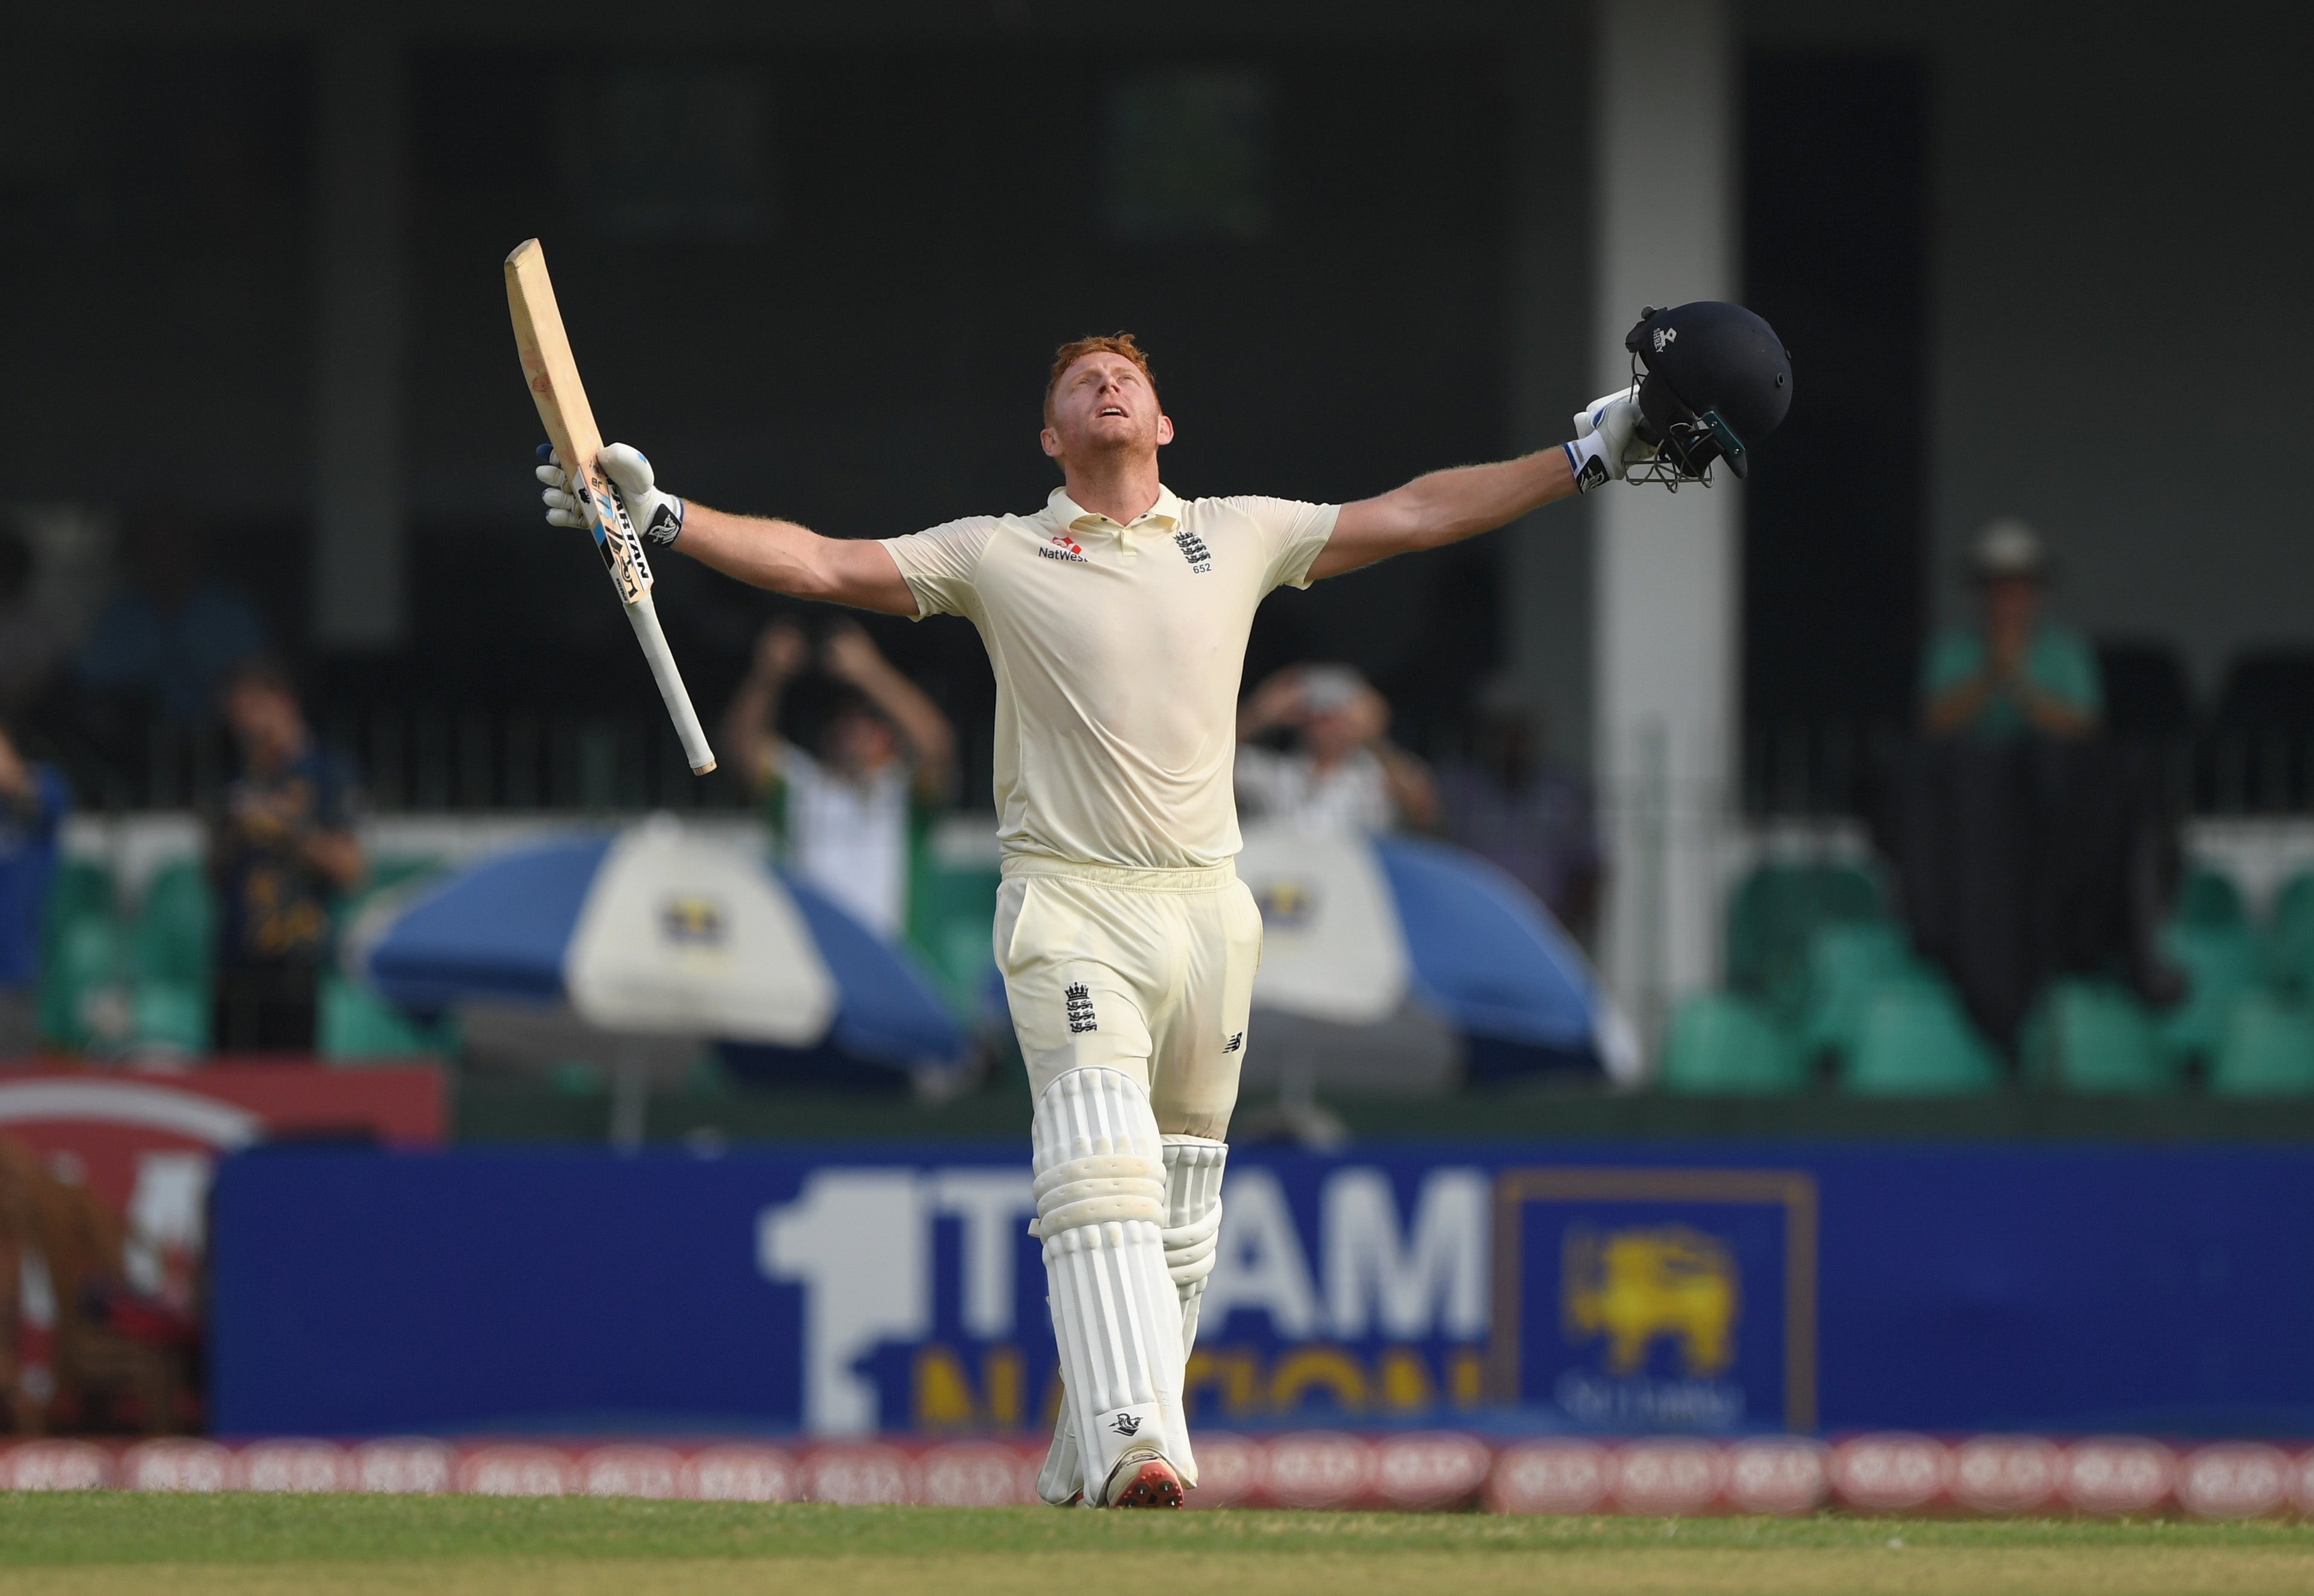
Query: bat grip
[[643, 616]]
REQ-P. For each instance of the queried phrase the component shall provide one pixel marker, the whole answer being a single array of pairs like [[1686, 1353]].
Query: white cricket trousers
[[1149, 971]]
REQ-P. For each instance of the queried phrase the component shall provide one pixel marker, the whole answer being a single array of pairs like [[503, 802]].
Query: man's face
[[266, 722], [2012, 605], [1328, 735], [1104, 406], [859, 744]]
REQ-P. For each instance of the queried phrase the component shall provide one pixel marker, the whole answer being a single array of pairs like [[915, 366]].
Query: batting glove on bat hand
[[1606, 442], [655, 515]]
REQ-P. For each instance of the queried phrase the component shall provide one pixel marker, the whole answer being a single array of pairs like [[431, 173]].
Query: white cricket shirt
[[1117, 653]]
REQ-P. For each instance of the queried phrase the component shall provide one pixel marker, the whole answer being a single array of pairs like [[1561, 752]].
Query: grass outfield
[[99, 1543]]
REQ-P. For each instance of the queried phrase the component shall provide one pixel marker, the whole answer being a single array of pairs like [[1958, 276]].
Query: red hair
[[1076, 350]]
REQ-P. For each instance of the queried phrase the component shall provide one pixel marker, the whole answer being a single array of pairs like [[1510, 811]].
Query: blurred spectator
[[281, 846], [30, 641], [32, 805], [1344, 773], [170, 633], [1530, 814], [2015, 672], [853, 819]]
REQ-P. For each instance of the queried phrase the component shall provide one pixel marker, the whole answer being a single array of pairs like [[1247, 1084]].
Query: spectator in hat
[[853, 817], [1513, 804], [2013, 672], [1342, 772]]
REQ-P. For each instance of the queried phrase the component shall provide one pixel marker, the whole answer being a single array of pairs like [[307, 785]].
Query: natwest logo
[[1063, 547]]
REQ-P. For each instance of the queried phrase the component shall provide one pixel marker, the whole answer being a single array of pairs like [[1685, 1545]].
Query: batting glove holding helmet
[[1713, 381], [1606, 442]]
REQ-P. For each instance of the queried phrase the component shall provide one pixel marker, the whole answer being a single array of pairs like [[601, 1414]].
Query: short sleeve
[[1291, 533], [2065, 666], [1952, 659], [939, 563]]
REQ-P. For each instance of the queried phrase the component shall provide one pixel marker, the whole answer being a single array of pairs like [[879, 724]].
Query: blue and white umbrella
[[663, 933], [1403, 939], [1489, 956]]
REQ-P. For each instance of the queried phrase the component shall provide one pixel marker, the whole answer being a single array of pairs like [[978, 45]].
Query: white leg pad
[[1061, 1480], [1193, 1220], [1099, 1186]]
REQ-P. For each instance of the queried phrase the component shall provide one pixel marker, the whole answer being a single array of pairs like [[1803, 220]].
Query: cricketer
[[1116, 619]]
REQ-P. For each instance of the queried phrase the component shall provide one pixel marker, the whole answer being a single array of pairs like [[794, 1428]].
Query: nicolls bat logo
[[1126, 1424]]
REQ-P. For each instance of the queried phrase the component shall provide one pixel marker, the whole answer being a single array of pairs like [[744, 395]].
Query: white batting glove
[[562, 505], [655, 515], [1606, 443]]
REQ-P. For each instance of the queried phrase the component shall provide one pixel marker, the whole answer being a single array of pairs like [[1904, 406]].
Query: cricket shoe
[[1143, 1478]]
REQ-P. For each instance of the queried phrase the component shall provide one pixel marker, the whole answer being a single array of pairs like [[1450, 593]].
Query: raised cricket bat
[[553, 377]]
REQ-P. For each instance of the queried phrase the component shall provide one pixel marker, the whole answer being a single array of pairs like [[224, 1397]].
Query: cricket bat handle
[[643, 616]]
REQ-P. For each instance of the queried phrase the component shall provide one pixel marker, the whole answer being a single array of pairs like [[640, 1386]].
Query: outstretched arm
[[1449, 506], [796, 560], [779, 555], [1443, 508]]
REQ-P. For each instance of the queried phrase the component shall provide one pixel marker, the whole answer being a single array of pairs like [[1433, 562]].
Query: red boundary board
[[103, 1120]]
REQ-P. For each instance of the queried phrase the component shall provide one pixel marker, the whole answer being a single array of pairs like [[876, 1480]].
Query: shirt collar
[[1166, 513]]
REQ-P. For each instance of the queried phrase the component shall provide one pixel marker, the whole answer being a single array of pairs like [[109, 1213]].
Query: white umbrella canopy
[[656, 932], [1332, 948], [685, 936], [1400, 964], [636, 949]]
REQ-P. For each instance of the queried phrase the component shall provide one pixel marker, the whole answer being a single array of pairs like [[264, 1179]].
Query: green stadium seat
[[951, 908], [1726, 1043], [1846, 964], [2208, 897], [176, 926], [81, 887], [1773, 919], [169, 953], [2267, 1051], [169, 1013], [2093, 1037], [83, 956], [1916, 1041], [2290, 936], [2221, 965]]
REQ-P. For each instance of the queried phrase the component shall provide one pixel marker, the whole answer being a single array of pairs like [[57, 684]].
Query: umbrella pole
[[630, 1102], [1313, 1125]]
